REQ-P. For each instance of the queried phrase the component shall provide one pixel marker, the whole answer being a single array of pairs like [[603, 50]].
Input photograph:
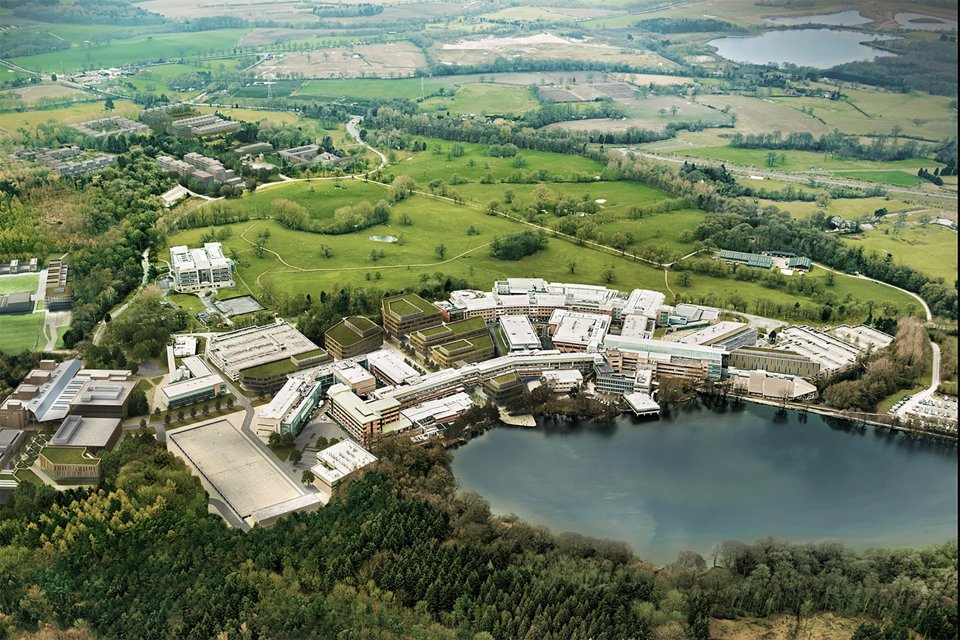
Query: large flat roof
[[408, 304], [254, 346], [240, 471], [80, 431], [519, 332]]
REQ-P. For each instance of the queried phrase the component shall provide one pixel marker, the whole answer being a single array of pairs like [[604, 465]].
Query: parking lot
[[936, 408]]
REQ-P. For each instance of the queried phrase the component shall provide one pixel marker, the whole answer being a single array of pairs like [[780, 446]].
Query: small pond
[[382, 238]]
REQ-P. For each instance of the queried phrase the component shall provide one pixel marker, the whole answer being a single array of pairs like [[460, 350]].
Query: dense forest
[[399, 554], [920, 64], [118, 12]]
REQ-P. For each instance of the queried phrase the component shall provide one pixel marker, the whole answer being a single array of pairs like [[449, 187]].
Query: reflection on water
[[709, 471]]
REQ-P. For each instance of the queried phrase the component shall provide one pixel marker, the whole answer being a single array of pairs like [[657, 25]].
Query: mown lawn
[[21, 332], [489, 99], [931, 249], [23, 282]]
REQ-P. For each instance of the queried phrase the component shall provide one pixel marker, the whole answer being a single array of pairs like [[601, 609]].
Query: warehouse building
[[408, 312], [352, 337], [755, 260], [833, 354]]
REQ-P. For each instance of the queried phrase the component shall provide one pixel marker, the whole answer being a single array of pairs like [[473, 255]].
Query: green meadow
[[21, 332], [930, 248]]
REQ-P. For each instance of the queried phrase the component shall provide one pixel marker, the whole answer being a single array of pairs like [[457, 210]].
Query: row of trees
[[879, 149]]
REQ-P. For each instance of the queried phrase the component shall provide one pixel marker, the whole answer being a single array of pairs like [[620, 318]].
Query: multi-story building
[[338, 462], [390, 368], [573, 331], [352, 337], [11, 442], [84, 432], [354, 376], [408, 312], [19, 302], [261, 358], [519, 334], [103, 399], [300, 155], [670, 358], [833, 354], [563, 381], [724, 335], [289, 410], [58, 290], [200, 269], [205, 125], [69, 464], [424, 340], [463, 350], [363, 420], [213, 167], [774, 361], [193, 382], [112, 126]]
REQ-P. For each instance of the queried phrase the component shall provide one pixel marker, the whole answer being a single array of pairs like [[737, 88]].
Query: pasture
[[140, 49], [21, 332], [389, 60], [762, 115], [805, 160], [895, 177], [930, 248]]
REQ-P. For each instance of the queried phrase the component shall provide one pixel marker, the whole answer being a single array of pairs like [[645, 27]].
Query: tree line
[[879, 149]]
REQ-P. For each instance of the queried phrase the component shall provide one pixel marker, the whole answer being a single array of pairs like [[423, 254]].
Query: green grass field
[[895, 177], [144, 48], [803, 160], [424, 166], [321, 198], [931, 249], [848, 208], [489, 99], [24, 282], [410, 88], [22, 332], [74, 113]]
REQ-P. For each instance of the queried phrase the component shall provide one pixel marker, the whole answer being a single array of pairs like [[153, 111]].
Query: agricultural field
[[846, 208], [763, 115], [32, 94], [551, 14], [929, 248], [21, 332], [805, 160], [144, 48], [24, 282], [489, 99], [878, 111], [393, 59], [895, 177], [277, 10], [81, 112], [366, 88], [543, 46]]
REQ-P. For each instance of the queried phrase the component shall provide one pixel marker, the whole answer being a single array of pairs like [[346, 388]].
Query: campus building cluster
[[200, 269], [112, 126], [787, 262], [67, 161], [58, 287], [200, 168]]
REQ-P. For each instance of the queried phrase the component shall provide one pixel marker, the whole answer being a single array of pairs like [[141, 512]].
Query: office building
[[772, 386], [518, 334], [670, 358], [92, 434], [200, 269], [573, 331], [69, 465], [354, 376], [184, 346], [424, 340], [300, 155], [352, 337], [261, 358], [338, 462], [723, 335], [205, 125], [688, 316], [58, 288], [390, 368], [408, 312], [563, 381], [103, 399], [191, 383], [47, 392], [463, 351], [774, 361], [11, 443], [363, 420], [20, 302], [112, 126], [290, 409], [212, 167]]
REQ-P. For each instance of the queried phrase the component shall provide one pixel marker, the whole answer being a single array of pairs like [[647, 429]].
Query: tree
[[307, 477], [440, 250], [230, 402], [108, 104], [608, 275], [572, 266], [771, 158], [698, 618], [296, 456]]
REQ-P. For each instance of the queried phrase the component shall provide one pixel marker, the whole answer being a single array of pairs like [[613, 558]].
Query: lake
[[850, 18], [700, 476], [820, 48]]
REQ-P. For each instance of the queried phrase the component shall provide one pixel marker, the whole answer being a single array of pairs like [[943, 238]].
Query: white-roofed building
[[340, 461], [290, 408], [573, 331], [724, 334], [518, 333], [354, 376], [200, 269], [563, 381], [390, 367]]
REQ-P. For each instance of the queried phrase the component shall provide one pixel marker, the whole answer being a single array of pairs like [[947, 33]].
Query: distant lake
[[820, 48], [849, 18], [924, 22], [701, 476]]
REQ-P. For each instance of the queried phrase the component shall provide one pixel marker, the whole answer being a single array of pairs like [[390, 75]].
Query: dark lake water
[[819, 48], [700, 476]]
